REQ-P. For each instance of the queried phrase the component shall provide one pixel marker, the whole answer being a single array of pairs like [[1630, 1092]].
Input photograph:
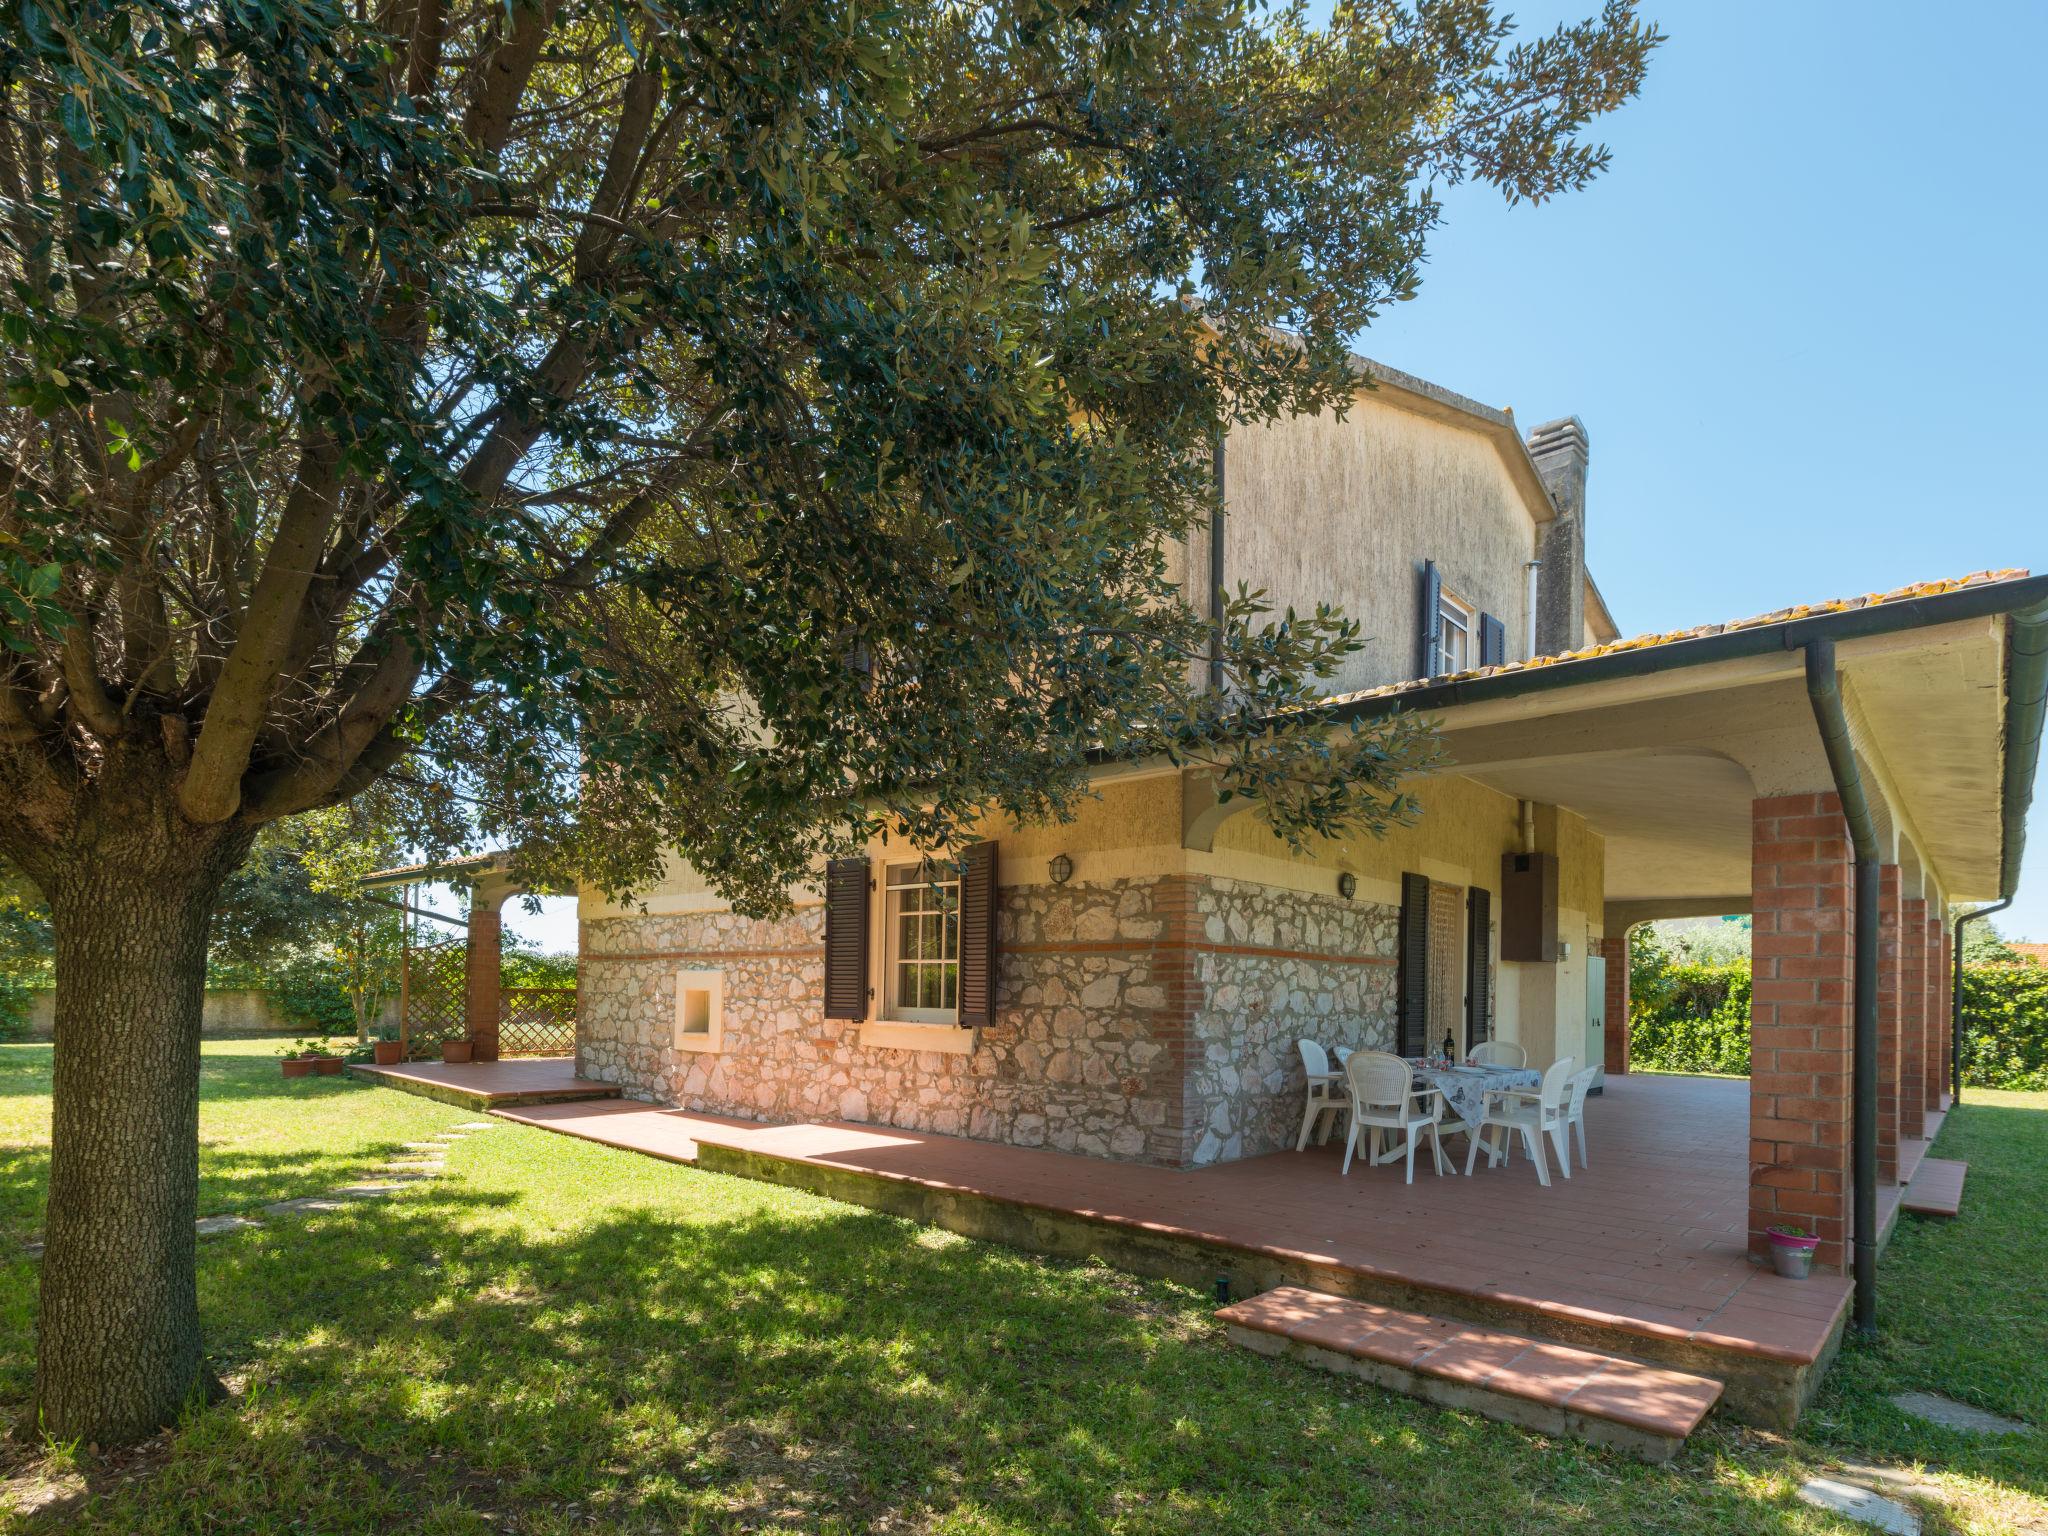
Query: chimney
[[1559, 449]]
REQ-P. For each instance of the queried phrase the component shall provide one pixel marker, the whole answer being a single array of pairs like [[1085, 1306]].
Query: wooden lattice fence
[[434, 997], [537, 1021]]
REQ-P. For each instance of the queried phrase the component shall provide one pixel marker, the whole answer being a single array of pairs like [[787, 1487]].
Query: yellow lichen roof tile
[[1696, 632]]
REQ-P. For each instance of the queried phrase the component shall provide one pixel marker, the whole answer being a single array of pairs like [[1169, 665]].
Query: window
[[921, 927], [1454, 624]]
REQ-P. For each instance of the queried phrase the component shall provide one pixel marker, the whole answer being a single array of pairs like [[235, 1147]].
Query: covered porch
[[1771, 768]]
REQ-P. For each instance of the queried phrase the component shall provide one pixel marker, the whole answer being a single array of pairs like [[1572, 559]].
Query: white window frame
[[899, 883], [1457, 635]]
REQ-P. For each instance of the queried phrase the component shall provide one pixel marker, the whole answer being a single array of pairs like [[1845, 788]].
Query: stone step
[[1937, 1187], [1554, 1389]]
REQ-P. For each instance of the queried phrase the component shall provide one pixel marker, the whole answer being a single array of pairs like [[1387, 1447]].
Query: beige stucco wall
[[1322, 509], [1459, 839]]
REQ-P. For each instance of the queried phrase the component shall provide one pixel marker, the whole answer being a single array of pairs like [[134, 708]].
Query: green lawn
[[561, 1338]]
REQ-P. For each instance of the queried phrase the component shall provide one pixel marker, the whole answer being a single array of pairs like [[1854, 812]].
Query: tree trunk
[[118, 1347]]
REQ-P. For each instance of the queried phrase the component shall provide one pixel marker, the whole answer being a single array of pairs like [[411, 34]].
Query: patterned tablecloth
[[1464, 1088]]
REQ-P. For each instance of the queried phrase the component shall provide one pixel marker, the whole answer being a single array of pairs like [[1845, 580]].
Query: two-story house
[[1131, 984]]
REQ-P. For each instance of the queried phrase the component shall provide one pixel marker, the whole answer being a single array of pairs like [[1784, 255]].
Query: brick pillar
[[1802, 898], [1615, 950], [1940, 1028], [484, 993], [1913, 995], [1890, 1013]]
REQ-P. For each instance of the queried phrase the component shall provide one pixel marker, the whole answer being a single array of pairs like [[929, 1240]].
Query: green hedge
[[1690, 1018], [2005, 1026], [1695, 1018]]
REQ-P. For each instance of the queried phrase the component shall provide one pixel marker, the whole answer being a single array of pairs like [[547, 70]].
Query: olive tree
[[728, 427]]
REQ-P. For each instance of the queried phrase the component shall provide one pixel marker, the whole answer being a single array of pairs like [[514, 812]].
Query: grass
[[559, 1337]]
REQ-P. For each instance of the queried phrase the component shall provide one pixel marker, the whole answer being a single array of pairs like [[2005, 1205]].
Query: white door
[[1596, 1015]]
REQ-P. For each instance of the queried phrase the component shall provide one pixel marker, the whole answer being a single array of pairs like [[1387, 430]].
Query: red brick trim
[[795, 952], [1913, 995], [1197, 946], [1802, 881], [1890, 1016]]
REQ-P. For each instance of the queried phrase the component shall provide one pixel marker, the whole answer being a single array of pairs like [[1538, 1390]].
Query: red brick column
[[1890, 1014], [484, 992], [1940, 1029], [1914, 988], [1615, 950], [1802, 882]]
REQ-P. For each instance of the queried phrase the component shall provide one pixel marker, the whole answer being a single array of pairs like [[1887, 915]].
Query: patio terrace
[[1641, 1254]]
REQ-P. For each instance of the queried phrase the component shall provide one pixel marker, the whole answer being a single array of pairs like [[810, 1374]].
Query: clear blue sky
[[1803, 316]]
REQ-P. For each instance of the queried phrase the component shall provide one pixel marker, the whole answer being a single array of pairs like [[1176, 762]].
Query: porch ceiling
[[1664, 767]]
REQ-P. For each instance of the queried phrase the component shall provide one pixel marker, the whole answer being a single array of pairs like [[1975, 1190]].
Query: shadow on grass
[[1960, 1312], [795, 1365]]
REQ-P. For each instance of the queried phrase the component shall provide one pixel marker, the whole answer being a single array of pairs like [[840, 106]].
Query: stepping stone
[[1950, 1414], [1865, 1505], [305, 1204], [473, 1125], [424, 1146], [207, 1226], [32, 1250], [1554, 1389], [368, 1191]]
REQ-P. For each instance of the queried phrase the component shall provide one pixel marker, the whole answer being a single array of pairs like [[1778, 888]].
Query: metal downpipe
[[1824, 690]]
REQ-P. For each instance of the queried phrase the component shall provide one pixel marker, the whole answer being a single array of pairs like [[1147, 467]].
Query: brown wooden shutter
[[1493, 641], [1432, 600], [846, 939], [1411, 1019], [1479, 983], [978, 936]]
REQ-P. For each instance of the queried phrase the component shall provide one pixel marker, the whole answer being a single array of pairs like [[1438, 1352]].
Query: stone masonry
[[1142, 1019]]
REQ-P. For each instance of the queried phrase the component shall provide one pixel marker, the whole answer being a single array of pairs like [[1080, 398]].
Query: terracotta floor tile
[[1547, 1373], [1474, 1357], [1663, 1402]]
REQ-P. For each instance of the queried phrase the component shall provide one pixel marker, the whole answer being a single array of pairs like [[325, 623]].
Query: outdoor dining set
[[1490, 1098]]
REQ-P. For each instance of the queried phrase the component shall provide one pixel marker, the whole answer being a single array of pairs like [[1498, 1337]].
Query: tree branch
[[211, 791]]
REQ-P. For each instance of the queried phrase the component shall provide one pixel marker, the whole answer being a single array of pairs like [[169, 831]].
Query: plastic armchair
[[1384, 1098], [1534, 1113]]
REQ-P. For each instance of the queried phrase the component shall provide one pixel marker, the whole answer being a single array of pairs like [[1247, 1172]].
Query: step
[[1937, 1187], [1554, 1389]]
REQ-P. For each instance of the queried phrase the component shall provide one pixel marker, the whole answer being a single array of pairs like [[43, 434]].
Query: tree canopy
[[739, 425]]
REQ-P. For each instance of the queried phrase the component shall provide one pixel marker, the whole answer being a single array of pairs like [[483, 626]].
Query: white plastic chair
[[1384, 1097], [1325, 1092], [1575, 1109], [1498, 1053], [1535, 1112]]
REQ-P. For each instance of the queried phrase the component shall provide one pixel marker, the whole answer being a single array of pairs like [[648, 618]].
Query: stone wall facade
[[1150, 1020], [1275, 966]]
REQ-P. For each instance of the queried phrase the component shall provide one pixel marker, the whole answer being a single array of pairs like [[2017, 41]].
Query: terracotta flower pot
[[455, 1052], [389, 1053], [297, 1066], [327, 1066]]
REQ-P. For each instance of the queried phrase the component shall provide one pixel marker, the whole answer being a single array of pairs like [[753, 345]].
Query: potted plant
[[388, 1049], [307, 1057], [1791, 1250], [455, 1052]]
